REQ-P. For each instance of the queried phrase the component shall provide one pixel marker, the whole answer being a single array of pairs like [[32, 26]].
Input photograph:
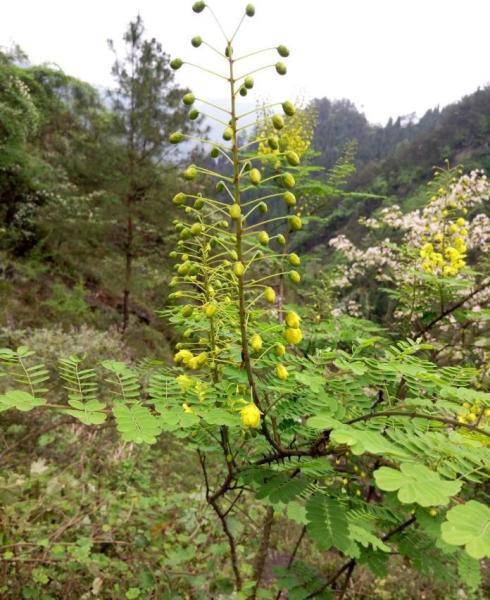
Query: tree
[[146, 102]]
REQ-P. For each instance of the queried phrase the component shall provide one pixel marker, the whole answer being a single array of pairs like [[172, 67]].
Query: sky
[[390, 57]]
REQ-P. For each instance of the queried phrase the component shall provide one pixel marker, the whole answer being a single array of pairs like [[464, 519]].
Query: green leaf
[[327, 523], [281, 487], [20, 400], [136, 424], [219, 416], [469, 571], [468, 525], [416, 483], [322, 422], [89, 413], [365, 441], [366, 538]]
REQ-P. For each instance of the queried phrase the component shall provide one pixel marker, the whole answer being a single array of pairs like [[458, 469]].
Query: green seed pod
[[228, 134], [281, 68], [176, 137], [199, 203], [214, 152], [273, 142], [281, 240], [193, 114], [283, 51], [288, 180], [196, 41], [187, 310], [176, 63], [179, 199], [255, 176], [294, 276], [250, 10], [189, 99], [190, 173], [197, 229], [270, 295], [288, 108], [294, 259], [235, 211], [264, 238], [292, 158], [248, 82], [277, 122], [199, 6], [243, 91], [263, 207], [295, 222], [289, 198], [238, 269]]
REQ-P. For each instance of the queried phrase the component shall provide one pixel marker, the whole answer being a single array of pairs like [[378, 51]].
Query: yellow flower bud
[[189, 99], [293, 336], [292, 158], [280, 349], [228, 134], [256, 342], [187, 310], [190, 173], [292, 319], [294, 276], [273, 142], [283, 51], [196, 41], [281, 240], [248, 82], [183, 356], [179, 199], [294, 259], [176, 63], [289, 198], [235, 211], [250, 415], [263, 238], [255, 176], [270, 295], [197, 229], [199, 6], [210, 310], [281, 68], [295, 222], [250, 10], [277, 122], [185, 382], [176, 137], [282, 372], [187, 408], [288, 180], [238, 269]]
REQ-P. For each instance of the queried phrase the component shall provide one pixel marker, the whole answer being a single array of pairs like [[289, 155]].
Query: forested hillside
[[243, 356]]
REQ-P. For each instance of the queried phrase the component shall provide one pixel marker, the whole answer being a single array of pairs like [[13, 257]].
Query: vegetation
[[306, 419]]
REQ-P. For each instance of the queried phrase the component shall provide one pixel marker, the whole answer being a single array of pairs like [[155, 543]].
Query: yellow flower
[[185, 382], [282, 372], [293, 335], [187, 408], [292, 319], [183, 356], [256, 342], [270, 295], [280, 349], [250, 415]]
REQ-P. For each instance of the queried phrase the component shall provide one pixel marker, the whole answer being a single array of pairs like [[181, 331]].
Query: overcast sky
[[391, 57]]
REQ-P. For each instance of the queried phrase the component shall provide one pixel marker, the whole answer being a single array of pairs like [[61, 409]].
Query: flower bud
[[280, 349], [235, 211], [295, 222], [176, 137], [263, 207], [250, 10], [229, 51], [288, 108], [196, 41], [190, 173], [289, 198], [173, 254], [255, 176], [293, 335], [294, 276], [187, 310], [197, 229], [292, 158], [179, 198], [228, 134], [283, 51], [273, 142], [294, 260], [199, 6], [288, 180], [176, 63], [210, 310], [292, 319], [263, 238], [243, 91], [270, 295], [193, 114], [277, 122], [189, 99], [248, 82], [199, 203], [214, 153], [256, 342], [281, 68], [281, 240], [238, 269], [282, 372], [250, 416]]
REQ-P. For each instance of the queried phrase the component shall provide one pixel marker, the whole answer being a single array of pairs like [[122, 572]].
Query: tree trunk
[[129, 265]]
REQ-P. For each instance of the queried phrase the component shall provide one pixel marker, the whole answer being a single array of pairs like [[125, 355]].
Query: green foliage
[[469, 525]]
